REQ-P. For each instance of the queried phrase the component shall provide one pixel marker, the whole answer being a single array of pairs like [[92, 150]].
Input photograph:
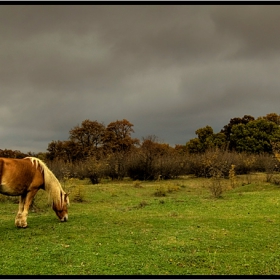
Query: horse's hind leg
[[24, 203]]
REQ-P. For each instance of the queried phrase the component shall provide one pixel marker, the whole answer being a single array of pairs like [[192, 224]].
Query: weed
[[216, 188], [142, 204], [78, 194], [172, 188], [276, 180], [161, 191], [12, 199], [232, 176], [137, 184]]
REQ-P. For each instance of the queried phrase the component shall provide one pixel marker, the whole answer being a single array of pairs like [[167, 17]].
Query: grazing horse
[[24, 177]]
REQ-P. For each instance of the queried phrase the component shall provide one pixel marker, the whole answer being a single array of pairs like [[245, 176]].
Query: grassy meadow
[[173, 227]]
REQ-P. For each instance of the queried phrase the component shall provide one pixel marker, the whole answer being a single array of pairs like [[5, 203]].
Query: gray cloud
[[167, 69]]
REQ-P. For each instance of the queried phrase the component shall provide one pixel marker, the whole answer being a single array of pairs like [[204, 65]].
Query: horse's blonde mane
[[52, 185]]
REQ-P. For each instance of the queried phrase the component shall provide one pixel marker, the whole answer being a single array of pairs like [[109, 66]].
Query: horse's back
[[16, 166], [17, 175]]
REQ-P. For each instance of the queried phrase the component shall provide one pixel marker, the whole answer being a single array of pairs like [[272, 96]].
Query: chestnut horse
[[24, 177]]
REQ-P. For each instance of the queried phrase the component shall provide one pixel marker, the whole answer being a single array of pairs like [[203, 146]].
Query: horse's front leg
[[24, 203], [19, 222]]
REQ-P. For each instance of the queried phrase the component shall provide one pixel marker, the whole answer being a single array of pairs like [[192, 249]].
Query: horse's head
[[61, 209]]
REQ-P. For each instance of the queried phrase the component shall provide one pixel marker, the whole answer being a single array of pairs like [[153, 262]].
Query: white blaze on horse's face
[[62, 212]]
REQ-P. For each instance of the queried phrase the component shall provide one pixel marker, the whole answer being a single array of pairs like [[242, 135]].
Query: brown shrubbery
[[203, 165], [144, 164], [136, 165]]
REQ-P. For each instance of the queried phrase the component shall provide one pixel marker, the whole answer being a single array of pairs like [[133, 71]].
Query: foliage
[[153, 160], [203, 165], [206, 140], [13, 154], [78, 194], [160, 161], [96, 151], [227, 129], [232, 176], [216, 187], [93, 139], [118, 136], [255, 136], [240, 134], [89, 136]]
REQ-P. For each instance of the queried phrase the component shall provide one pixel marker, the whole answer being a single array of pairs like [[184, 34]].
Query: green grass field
[[170, 227]]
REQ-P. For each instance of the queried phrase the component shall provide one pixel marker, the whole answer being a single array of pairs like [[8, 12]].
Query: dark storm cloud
[[255, 27], [167, 69]]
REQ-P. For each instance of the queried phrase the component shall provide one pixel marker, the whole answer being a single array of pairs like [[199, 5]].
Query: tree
[[63, 150], [55, 150], [117, 136], [273, 117], [200, 144], [255, 136], [206, 139], [218, 140], [234, 121], [13, 154], [204, 133], [153, 159], [194, 146], [89, 137]]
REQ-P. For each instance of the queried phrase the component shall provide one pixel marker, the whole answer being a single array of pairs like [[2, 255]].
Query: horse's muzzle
[[64, 219]]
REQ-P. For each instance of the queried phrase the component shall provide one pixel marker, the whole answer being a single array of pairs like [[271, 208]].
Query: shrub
[[11, 199], [216, 188], [137, 184], [161, 191], [115, 165], [202, 165], [276, 180], [78, 194], [232, 176], [143, 166], [172, 188]]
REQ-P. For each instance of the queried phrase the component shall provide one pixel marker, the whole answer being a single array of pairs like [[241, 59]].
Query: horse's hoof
[[21, 225], [25, 226]]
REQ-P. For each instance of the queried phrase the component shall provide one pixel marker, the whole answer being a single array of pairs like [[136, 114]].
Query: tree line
[[245, 134], [111, 151], [95, 150], [94, 139]]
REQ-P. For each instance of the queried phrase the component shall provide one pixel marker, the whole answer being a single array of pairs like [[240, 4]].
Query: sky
[[167, 69]]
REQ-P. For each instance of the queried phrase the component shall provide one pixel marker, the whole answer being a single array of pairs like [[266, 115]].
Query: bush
[[78, 194], [276, 180], [11, 199], [141, 164], [161, 191], [216, 187], [90, 168], [151, 167], [202, 165]]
